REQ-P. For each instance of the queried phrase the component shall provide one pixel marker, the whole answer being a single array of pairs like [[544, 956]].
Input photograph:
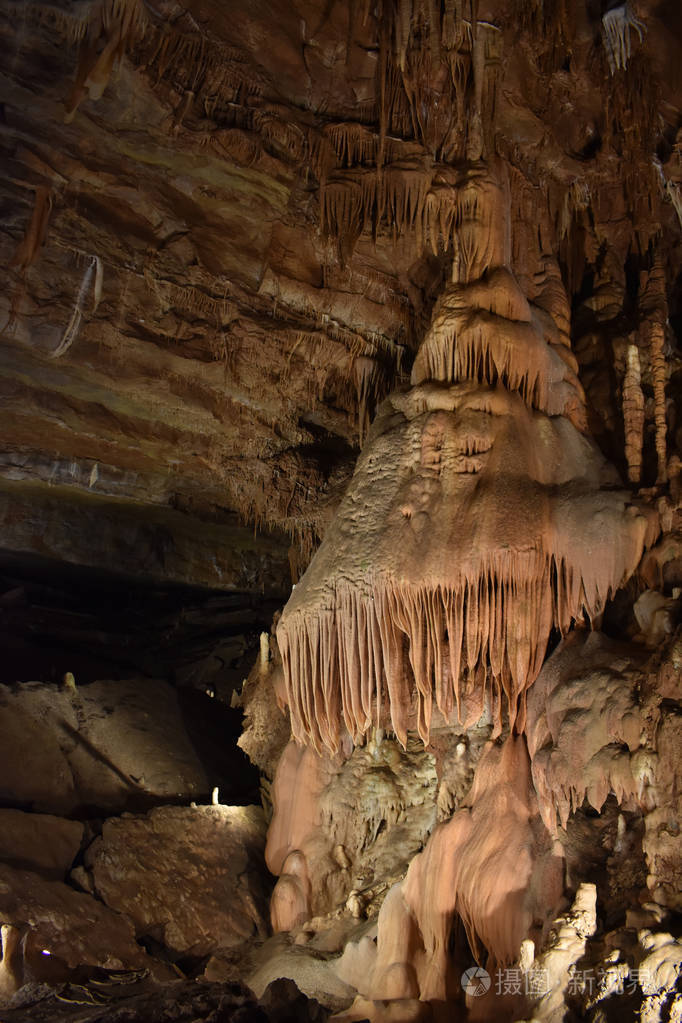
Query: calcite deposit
[[367, 314]]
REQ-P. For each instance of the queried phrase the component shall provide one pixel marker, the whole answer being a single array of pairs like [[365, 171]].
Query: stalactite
[[322, 156], [353, 143], [34, 237], [343, 202], [674, 193], [617, 25], [475, 127], [409, 598], [28, 249], [280, 135], [576, 199], [633, 413], [92, 277], [355, 201], [369, 642], [584, 727], [112, 28], [368, 375], [195, 301]]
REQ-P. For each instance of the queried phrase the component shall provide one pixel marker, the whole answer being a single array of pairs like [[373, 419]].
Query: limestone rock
[[192, 878], [40, 842], [48, 920], [310, 971], [106, 746]]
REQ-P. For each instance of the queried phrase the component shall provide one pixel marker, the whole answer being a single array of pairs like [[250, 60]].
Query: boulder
[[40, 842], [193, 878], [103, 747], [49, 930]]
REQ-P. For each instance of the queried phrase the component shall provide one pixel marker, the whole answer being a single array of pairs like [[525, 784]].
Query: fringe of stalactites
[[417, 39], [482, 351], [93, 19], [402, 198], [396, 198], [204, 69], [170, 295], [349, 665]]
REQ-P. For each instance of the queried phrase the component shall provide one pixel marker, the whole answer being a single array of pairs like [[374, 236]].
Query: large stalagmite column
[[480, 517]]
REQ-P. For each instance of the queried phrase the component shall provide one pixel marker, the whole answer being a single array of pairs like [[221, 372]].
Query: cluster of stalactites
[[106, 31], [403, 198], [511, 354], [353, 203], [363, 662]]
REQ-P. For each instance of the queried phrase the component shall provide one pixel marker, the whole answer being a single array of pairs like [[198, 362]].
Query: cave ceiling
[[222, 246]]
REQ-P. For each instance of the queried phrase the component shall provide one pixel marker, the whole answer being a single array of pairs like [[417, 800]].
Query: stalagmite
[[503, 883], [656, 333], [633, 413], [654, 309]]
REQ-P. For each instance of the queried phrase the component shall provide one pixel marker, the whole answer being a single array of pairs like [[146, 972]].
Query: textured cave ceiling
[[220, 254]]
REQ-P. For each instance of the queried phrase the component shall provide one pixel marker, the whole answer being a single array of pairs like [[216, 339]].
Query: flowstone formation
[[480, 516], [481, 519]]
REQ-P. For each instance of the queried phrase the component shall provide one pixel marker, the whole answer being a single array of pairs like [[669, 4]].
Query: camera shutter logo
[[475, 981]]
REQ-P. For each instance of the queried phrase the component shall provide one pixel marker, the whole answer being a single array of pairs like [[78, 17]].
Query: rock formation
[[374, 307]]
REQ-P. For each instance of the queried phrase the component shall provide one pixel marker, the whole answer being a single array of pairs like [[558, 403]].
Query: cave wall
[[229, 232]]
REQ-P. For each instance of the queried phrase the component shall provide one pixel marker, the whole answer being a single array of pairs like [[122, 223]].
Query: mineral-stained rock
[[662, 825], [106, 746], [40, 842], [345, 828], [192, 878], [153, 544], [584, 726], [499, 908]]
